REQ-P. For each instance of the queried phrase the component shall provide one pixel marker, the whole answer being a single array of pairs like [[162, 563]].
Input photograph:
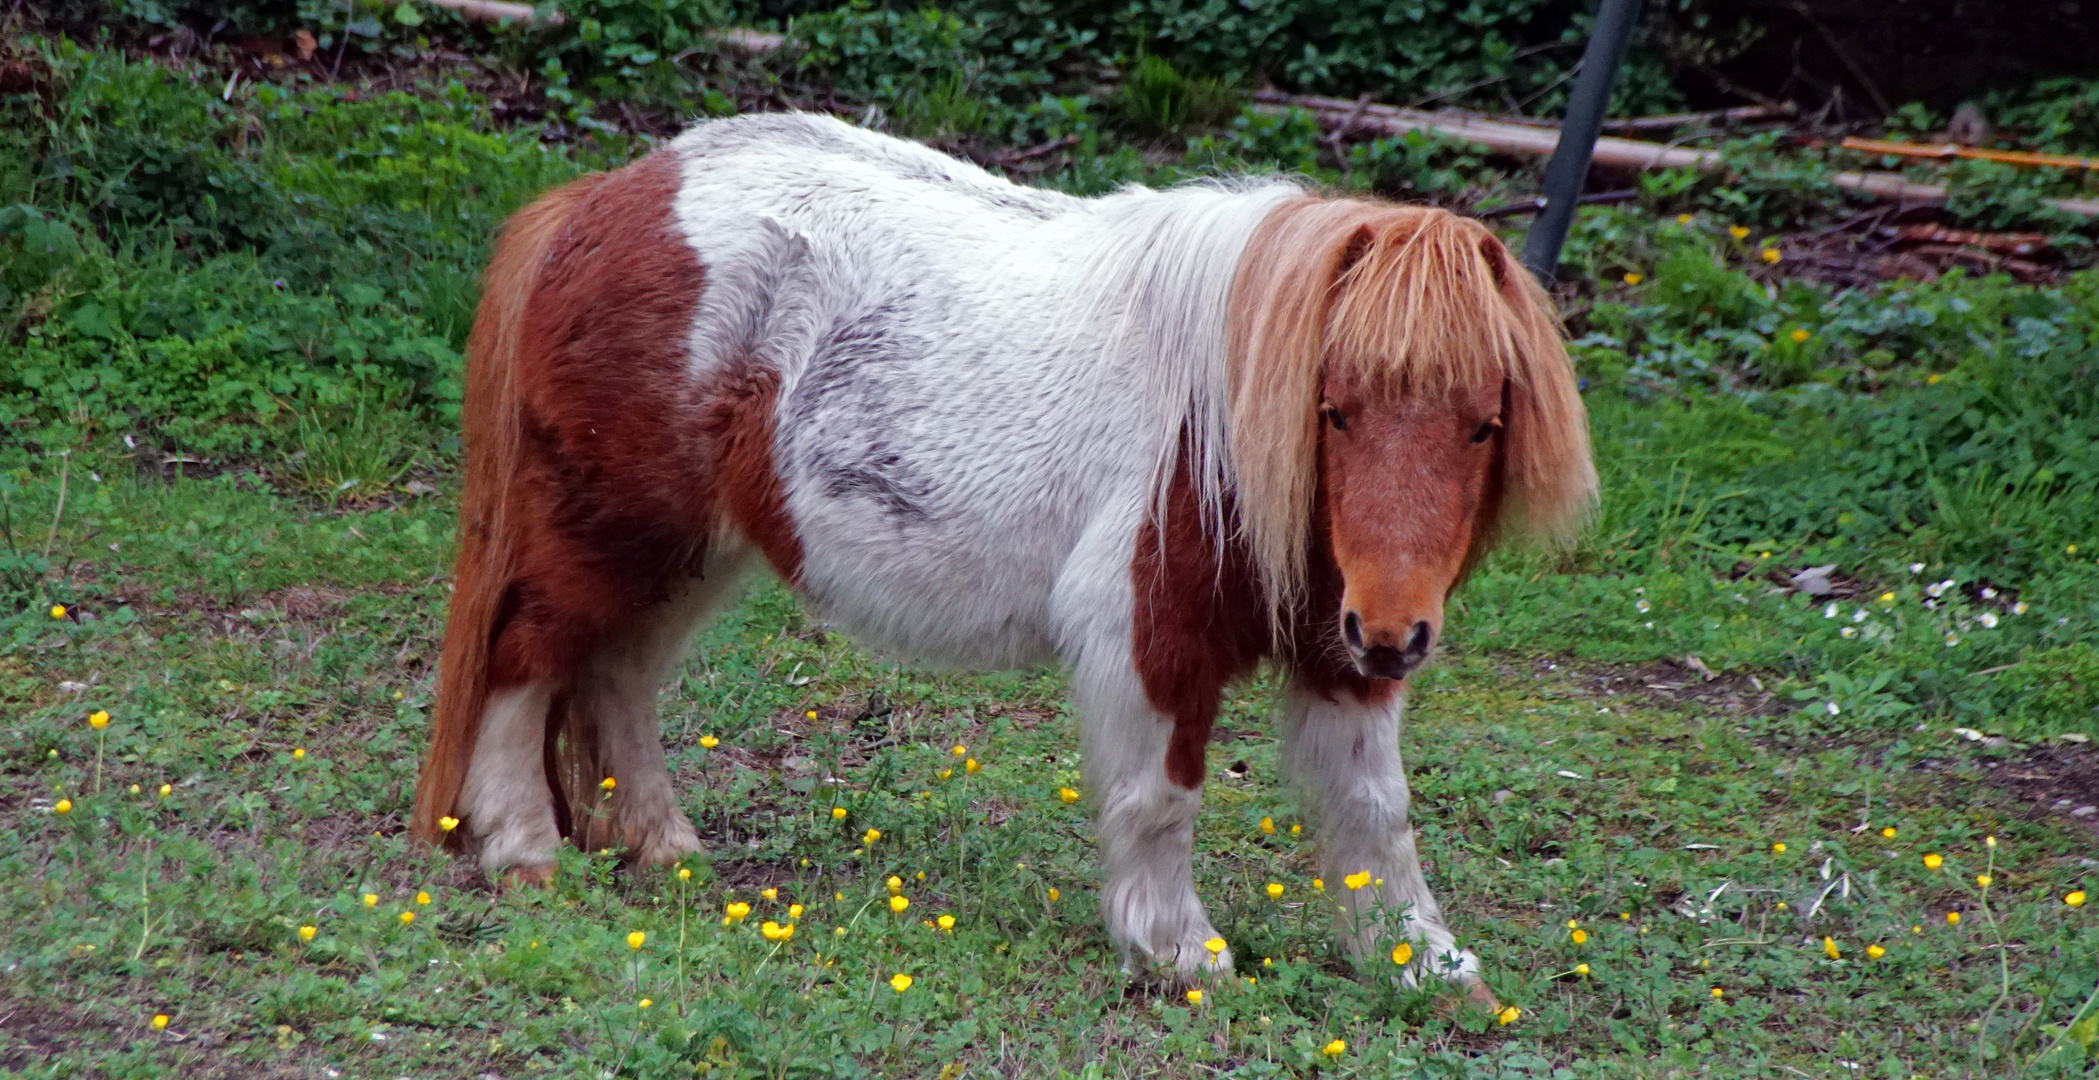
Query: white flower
[[1644, 606], [1830, 612], [1988, 619], [1937, 589], [1848, 632], [1650, 626], [1916, 568], [1832, 707], [1952, 640], [2019, 608], [1859, 615], [1638, 589], [1989, 594]]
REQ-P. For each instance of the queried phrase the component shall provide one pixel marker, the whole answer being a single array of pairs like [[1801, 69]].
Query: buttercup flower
[[709, 742], [838, 813], [685, 873], [1739, 232], [1717, 992], [608, 784], [1507, 1016], [306, 933], [1888, 833], [1579, 937], [422, 898], [900, 982], [1983, 880], [898, 904], [870, 836], [1581, 969], [58, 611], [298, 753], [736, 912], [1403, 953], [1296, 829], [1683, 219], [636, 939], [1215, 945], [1933, 861], [1875, 952], [448, 823], [98, 720], [1275, 891], [1267, 826], [644, 1003], [1356, 880], [1334, 1049], [895, 884], [2074, 899], [811, 714], [62, 806], [769, 893], [1634, 278], [947, 923], [1070, 795], [371, 899], [1318, 885], [1195, 997], [160, 1021], [1771, 255], [1053, 895], [959, 750], [794, 911], [166, 790], [972, 766], [1829, 949], [407, 917], [1953, 918]]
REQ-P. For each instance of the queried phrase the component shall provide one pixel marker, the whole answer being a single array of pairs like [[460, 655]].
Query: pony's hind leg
[[1345, 752], [507, 806], [613, 708], [1146, 824]]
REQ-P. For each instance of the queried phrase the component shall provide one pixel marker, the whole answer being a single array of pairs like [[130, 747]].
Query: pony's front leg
[[1345, 752], [1146, 824]]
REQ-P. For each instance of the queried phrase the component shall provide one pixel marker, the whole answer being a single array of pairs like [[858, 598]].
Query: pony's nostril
[[1352, 632], [1418, 642]]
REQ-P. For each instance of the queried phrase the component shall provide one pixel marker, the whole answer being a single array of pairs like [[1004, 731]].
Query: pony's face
[[1411, 484]]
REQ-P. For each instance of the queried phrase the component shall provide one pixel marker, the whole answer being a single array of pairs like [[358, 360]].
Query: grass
[[276, 674]]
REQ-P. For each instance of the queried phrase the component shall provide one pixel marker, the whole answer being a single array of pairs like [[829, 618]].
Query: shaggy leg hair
[[508, 807]]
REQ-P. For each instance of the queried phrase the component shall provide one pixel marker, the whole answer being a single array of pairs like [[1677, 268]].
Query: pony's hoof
[[538, 875], [670, 842], [1476, 992]]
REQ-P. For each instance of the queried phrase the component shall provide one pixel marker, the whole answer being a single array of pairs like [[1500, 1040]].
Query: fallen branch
[[1613, 152], [1536, 203], [498, 11], [1949, 151]]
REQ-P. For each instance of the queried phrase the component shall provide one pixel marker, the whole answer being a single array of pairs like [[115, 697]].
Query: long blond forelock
[[1410, 297]]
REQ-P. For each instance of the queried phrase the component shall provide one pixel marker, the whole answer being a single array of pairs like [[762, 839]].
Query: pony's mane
[[1406, 295]]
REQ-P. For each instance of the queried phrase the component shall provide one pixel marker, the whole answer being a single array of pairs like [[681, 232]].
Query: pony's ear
[[1497, 259], [1358, 245]]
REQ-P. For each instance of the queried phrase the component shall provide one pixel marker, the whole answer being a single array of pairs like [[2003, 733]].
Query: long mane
[[1416, 297]]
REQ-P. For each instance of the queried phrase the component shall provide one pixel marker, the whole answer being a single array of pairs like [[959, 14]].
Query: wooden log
[[498, 11], [1610, 151]]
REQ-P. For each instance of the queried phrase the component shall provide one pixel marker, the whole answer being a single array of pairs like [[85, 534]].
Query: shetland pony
[[1158, 436]]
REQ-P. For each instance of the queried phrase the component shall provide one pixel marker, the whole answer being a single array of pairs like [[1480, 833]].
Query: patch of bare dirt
[[2058, 781], [32, 1034], [1685, 683]]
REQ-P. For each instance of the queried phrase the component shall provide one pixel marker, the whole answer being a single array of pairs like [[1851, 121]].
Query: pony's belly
[[934, 600]]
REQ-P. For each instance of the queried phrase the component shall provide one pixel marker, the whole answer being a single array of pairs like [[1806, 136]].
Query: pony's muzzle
[[1380, 655]]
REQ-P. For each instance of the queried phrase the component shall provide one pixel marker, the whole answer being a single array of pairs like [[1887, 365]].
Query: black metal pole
[[1569, 168]]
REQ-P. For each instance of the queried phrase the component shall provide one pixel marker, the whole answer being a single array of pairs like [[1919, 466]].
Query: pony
[[1159, 437]]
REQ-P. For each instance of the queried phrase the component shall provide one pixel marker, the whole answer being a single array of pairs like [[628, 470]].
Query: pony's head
[[1400, 394]]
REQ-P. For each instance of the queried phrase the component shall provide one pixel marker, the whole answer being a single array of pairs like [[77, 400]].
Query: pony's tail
[[484, 564]]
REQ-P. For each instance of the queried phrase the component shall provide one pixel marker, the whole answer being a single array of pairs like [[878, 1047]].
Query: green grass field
[[1695, 821]]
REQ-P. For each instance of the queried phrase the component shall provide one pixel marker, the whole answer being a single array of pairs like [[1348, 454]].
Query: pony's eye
[[1334, 417], [1486, 431]]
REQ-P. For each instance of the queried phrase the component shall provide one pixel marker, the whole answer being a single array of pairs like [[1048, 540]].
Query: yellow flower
[[1829, 949], [811, 714], [58, 611], [134, 789], [635, 939], [98, 720], [166, 790], [900, 982], [1953, 918], [1215, 945], [737, 911], [644, 1003], [407, 917], [1875, 952], [63, 806], [422, 898], [771, 930], [945, 773], [709, 742], [895, 884], [769, 894], [947, 923], [306, 933], [838, 896], [1888, 833], [448, 823], [1581, 969], [1295, 829], [298, 753], [794, 911], [1771, 255], [838, 813], [1195, 997], [1356, 880], [1403, 953], [1625, 916], [160, 1021], [899, 903], [1800, 337], [371, 899], [1739, 232], [1318, 885], [1267, 826], [1717, 992], [959, 750], [1069, 795], [1778, 848], [1983, 880], [608, 784], [1334, 1049], [1634, 278], [1989, 841], [1507, 1016], [1579, 937], [870, 836], [2075, 899], [685, 873], [1053, 895], [1275, 891], [1781, 905], [1933, 861], [1916, 929], [1683, 219], [972, 767]]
